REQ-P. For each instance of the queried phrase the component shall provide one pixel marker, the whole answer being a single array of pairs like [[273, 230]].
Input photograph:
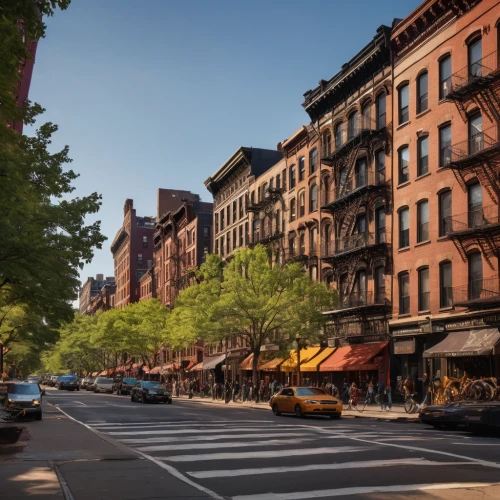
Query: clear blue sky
[[159, 93]]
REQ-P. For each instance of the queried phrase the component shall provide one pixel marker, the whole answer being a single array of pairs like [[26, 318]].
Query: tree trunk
[[255, 363]]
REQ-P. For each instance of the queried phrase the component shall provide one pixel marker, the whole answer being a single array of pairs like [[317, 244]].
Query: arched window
[[313, 198], [380, 106], [422, 92], [302, 243], [339, 135], [366, 113], [326, 190], [327, 144], [291, 245], [444, 77], [327, 235], [423, 289], [292, 177], [445, 284], [422, 221], [302, 169], [313, 161], [313, 240], [352, 125], [475, 287], [302, 204], [292, 210], [313, 273], [329, 280], [404, 292], [404, 103], [404, 164], [475, 56]]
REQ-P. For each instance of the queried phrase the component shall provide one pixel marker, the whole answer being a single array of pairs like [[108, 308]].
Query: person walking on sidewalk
[[370, 394], [382, 395], [388, 391], [236, 391]]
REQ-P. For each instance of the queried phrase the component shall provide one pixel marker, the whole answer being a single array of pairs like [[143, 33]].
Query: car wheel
[[143, 400], [437, 426], [276, 410], [169, 401], [38, 416], [132, 398], [78, 389], [334, 417], [298, 411]]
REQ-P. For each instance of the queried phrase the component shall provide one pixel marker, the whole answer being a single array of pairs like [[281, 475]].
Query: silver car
[[26, 396], [103, 384]]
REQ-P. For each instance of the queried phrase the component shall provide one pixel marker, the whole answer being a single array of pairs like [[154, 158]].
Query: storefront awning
[[465, 343], [313, 364], [247, 363], [155, 370], [209, 363], [353, 357], [271, 365], [306, 354], [198, 367]]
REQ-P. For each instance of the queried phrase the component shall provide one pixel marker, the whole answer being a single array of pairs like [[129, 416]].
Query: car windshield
[[104, 381], [130, 381], [67, 378], [31, 389], [309, 391], [152, 385]]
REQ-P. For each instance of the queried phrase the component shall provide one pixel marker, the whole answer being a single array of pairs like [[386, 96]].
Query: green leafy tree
[[259, 302]]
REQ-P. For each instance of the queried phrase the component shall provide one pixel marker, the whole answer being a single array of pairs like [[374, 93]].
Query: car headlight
[[311, 402], [36, 402], [11, 400]]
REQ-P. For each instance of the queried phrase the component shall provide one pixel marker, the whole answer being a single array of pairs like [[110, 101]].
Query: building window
[[475, 275], [235, 211], [423, 289], [380, 167], [228, 242], [404, 100], [404, 228], [380, 225], [313, 240], [292, 210], [327, 243], [283, 178], [139, 258], [422, 221], [228, 215], [444, 77], [352, 125], [314, 273], [444, 212], [222, 246], [423, 155], [404, 164], [313, 161], [476, 139], [235, 239], [291, 246], [475, 205], [292, 176], [277, 220], [278, 181], [216, 251], [302, 204], [404, 293], [216, 219], [313, 198], [422, 93], [361, 173], [380, 106], [145, 242], [445, 285], [222, 219], [475, 54], [241, 234], [302, 243], [379, 282], [366, 114], [339, 135], [327, 144], [302, 169], [444, 145], [256, 230]]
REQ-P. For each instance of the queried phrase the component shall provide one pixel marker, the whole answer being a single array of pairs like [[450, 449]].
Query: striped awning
[[271, 365], [312, 364], [306, 354], [198, 367]]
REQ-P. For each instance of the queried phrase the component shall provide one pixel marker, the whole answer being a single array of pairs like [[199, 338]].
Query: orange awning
[[198, 367], [353, 357], [247, 363], [312, 364], [271, 365], [306, 354]]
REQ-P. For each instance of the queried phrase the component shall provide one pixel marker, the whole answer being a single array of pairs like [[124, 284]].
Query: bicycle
[[411, 406], [11, 414]]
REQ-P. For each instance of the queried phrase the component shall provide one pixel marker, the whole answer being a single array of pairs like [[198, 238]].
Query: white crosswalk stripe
[[208, 451]]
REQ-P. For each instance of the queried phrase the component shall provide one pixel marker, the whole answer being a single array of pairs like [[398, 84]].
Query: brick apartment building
[[351, 114], [132, 250], [91, 289], [446, 155], [104, 300]]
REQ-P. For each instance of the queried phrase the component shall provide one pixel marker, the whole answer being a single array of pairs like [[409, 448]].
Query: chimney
[[99, 277]]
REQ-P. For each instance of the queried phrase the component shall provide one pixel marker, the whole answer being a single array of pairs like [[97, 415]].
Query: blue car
[[68, 383]]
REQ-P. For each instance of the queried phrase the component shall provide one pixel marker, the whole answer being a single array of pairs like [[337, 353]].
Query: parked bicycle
[[411, 405]]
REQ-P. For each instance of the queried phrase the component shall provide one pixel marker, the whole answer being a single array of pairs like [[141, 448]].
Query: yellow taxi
[[305, 401]]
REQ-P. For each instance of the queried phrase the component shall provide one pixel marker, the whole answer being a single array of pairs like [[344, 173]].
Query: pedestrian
[[425, 388], [370, 394], [236, 391], [382, 395], [388, 392]]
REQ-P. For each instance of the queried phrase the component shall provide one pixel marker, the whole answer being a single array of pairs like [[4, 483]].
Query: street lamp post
[[297, 341]]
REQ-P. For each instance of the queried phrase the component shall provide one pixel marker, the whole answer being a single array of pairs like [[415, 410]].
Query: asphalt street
[[249, 454]]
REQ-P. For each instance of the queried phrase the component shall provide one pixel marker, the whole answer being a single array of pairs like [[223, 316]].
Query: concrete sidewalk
[[397, 413], [65, 460]]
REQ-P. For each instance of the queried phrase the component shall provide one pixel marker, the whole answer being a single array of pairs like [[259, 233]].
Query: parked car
[[27, 396], [483, 416], [305, 401], [146, 391], [124, 386], [33, 379], [68, 382], [102, 384], [450, 415], [52, 381], [86, 381], [90, 383]]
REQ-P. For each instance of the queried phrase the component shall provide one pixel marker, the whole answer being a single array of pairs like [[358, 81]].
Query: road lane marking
[[181, 422], [361, 490], [79, 402], [478, 444], [172, 470], [195, 438], [186, 426], [209, 474], [264, 454], [186, 431], [231, 444]]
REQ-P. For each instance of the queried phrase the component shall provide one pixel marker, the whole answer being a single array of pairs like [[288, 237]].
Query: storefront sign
[[404, 346], [410, 330], [363, 339]]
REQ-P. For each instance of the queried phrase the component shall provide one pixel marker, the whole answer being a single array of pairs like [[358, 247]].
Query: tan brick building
[[446, 155]]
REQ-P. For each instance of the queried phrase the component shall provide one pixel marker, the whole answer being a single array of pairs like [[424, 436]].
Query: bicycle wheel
[[409, 405], [377, 398], [362, 409]]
